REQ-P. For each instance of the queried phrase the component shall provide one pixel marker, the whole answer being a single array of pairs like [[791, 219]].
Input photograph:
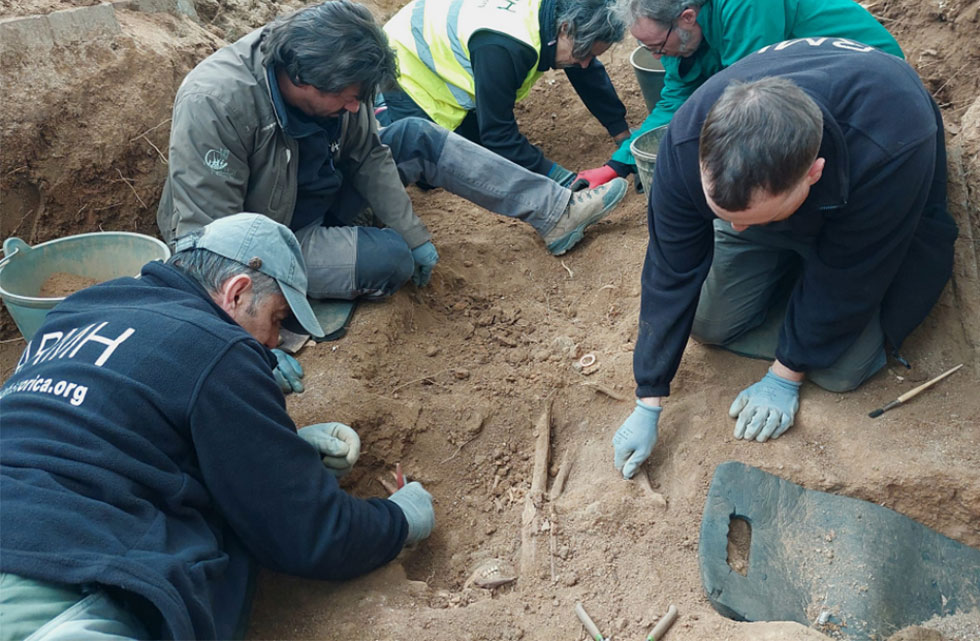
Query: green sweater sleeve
[[677, 87]]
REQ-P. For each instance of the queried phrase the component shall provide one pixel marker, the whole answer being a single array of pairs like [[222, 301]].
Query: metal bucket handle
[[11, 247]]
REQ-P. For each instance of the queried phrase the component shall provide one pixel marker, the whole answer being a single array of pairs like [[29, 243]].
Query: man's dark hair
[[764, 135], [589, 22], [332, 46]]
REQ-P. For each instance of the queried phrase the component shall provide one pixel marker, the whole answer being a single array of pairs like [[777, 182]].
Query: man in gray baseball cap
[[266, 246], [147, 462]]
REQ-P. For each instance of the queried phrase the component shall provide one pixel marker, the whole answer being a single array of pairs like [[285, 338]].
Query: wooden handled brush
[[912, 393]]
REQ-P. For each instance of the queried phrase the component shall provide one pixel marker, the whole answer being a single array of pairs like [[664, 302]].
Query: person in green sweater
[[695, 39]]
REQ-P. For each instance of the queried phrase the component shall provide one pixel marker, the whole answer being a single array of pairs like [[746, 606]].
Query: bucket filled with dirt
[[35, 279], [644, 149]]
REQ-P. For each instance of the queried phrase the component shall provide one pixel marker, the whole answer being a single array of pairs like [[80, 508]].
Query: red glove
[[598, 176]]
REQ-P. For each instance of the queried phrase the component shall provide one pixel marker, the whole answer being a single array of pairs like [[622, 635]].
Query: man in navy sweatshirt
[[798, 214], [148, 462]]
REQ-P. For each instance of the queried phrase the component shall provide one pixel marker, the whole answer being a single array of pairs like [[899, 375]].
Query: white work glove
[[287, 373], [416, 505], [635, 438], [766, 409], [338, 444]]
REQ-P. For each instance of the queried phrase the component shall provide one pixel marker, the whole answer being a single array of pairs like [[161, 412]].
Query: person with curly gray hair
[[464, 65]]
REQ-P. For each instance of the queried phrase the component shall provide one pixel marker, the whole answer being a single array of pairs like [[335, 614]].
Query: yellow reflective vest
[[431, 38]]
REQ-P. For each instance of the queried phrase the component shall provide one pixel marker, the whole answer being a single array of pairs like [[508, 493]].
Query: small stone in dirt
[[461, 374], [431, 351]]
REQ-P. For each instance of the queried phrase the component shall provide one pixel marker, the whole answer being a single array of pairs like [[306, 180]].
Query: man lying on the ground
[[147, 462], [819, 209], [281, 123], [465, 65], [695, 39]]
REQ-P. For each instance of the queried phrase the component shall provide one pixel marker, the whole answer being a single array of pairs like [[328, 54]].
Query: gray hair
[[589, 22], [332, 46], [211, 270], [764, 135], [662, 11]]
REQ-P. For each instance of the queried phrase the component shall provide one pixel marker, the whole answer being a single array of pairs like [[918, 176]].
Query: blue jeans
[[744, 298], [347, 260], [395, 105]]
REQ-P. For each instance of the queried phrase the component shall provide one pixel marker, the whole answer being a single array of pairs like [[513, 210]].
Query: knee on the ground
[[714, 331], [384, 263]]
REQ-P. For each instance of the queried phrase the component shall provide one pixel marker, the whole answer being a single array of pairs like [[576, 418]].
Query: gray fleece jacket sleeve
[[208, 165]]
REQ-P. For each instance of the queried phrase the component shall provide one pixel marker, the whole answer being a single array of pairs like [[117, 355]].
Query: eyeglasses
[[661, 48]]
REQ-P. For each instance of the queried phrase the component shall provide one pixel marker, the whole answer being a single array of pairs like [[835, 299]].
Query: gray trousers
[[744, 298], [351, 261]]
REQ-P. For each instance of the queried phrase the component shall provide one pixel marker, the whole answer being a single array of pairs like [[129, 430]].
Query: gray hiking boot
[[584, 208]]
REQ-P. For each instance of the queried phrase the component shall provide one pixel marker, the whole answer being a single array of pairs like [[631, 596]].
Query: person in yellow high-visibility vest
[[464, 64]]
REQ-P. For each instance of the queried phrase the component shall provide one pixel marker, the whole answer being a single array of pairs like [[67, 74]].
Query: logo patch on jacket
[[217, 162]]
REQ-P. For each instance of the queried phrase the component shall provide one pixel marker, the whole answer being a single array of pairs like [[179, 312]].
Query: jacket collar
[[168, 276], [833, 188], [293, 121]]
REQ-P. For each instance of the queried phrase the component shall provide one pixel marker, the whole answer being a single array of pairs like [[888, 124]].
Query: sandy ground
[[450, 380]]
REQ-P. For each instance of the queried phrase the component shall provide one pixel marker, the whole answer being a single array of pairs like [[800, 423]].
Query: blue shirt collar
[[294, 122]]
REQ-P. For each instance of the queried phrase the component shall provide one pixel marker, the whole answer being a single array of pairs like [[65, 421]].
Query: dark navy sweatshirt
[[145, 446], [877, 218]]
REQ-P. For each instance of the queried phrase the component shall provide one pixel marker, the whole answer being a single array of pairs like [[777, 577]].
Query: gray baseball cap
[[266, 246]]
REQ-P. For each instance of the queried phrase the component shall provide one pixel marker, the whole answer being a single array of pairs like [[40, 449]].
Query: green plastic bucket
[[644, 149], [649, 75], [100, 256]]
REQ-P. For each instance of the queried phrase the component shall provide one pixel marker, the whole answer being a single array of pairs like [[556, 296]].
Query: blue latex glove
[[288, 371], [766, 409], [425, 257], [416, 504], [635, 438], [562, 176], [338, 445]]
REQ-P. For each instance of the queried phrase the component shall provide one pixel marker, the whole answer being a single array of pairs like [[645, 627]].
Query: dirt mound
[[450, 380]]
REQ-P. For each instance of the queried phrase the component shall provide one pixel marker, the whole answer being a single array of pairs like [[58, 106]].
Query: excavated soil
[[452, 379]]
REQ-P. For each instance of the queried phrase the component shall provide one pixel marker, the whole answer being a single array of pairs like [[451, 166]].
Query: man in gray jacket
[[281, 123]]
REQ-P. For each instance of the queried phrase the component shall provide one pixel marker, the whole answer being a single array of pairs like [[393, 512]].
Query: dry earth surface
[[451, 380]]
